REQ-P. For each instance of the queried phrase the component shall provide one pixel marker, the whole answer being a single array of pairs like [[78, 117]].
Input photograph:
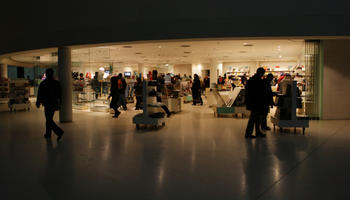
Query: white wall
[[183, 69], [197, 68], [336, 81]]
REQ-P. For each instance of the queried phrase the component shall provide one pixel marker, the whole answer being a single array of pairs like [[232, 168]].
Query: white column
[[141, 69], [3, 72], [213, 73], [220, 68], [65, 79]]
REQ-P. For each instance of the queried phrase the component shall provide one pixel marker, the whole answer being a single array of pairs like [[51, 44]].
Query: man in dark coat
[[269, 101], [116, 97], [121, 89], [196, 90], [49, 95], [255, 102]]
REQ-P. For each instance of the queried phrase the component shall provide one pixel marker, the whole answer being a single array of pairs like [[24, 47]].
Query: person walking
[[269, 101], [49, 95], [255, 102], [121, 90], [116, 96]]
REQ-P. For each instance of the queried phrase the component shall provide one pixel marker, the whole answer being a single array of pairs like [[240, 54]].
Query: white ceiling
[[179, 52]]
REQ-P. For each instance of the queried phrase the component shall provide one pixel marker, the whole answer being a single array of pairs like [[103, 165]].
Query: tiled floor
[[195, 156]]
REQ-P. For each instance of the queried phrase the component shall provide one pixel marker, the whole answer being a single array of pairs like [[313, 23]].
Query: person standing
[[121, 90], [269, 101], [138, 93], [196, 90], [49, 95], [255, 102], [116, 96], [244, 79]]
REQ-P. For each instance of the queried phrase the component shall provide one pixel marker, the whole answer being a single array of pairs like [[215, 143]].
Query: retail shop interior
[[223, 68]]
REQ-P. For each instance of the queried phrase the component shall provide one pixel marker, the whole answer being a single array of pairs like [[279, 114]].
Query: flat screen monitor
[[127, 74]]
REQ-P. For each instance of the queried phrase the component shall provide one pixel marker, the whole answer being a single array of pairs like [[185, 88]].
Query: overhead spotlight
[[246, 44], [280, 56], [159, 46]]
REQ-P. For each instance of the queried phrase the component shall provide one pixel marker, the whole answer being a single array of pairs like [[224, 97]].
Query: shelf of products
[[19, 95], [4, 90]]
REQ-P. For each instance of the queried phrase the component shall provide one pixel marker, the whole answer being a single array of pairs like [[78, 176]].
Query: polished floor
[[195, 156]]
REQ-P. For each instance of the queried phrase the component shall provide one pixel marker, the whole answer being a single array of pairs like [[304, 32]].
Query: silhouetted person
[[49, 95], [206, 82], [269, 101], [121, 90], [244, 79], [116, 96], [138, 93], [196, 90], [255, 102]]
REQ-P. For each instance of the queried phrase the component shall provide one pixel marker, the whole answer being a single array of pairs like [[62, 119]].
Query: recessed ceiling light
[[127, 47], [159, 46], [185, 45], [280, 56], [247, 44]]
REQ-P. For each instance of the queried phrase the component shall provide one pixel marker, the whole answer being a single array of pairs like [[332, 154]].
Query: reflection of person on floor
[[196, 90], [138, 93], [121, 90], [116, 96], [255, 102], [49, 95], [269, 101]]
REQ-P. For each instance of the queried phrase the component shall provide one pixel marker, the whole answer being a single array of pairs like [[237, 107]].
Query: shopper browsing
[[49, 95], [196, 90], [255, 102], [116, 96], [269, 101], [138, 93], [121, 90]]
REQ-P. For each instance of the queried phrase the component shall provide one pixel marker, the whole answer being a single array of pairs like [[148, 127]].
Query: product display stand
[[19, 95], [173, 104], [4, 90], [285, 116], [149, 102], [233, 105]]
